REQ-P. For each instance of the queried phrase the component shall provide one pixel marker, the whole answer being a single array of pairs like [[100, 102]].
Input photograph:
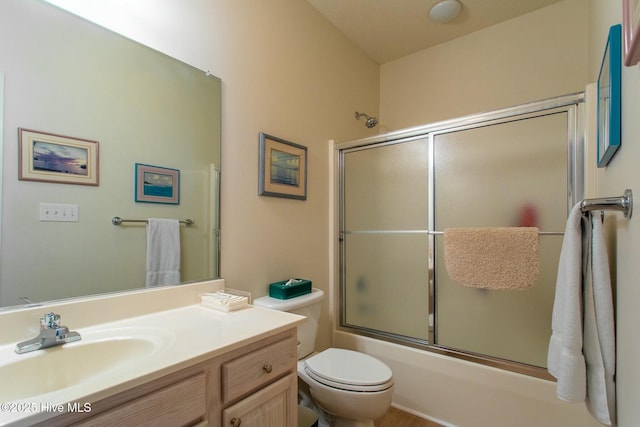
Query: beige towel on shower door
[[492, 257]]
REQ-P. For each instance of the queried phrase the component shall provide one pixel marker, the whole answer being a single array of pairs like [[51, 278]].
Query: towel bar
[[542, 233], [116, 220], [623, 203], [429, 232]]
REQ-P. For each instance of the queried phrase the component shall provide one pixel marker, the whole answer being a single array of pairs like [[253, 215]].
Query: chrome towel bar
[[429, 232], [116, 220], [623, 203], [541, 233]]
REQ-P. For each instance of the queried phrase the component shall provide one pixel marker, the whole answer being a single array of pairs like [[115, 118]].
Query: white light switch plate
[[59, 212]]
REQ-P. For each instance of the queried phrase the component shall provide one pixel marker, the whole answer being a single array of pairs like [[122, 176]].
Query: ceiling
[[390, 29]]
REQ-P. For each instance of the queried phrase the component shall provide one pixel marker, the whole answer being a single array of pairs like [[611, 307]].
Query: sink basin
[[97, 354]]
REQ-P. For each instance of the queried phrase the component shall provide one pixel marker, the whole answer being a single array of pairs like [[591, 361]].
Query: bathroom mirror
[[66, 76]]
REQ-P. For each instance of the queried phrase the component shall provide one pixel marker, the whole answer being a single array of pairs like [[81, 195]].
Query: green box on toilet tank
[[289, 288]]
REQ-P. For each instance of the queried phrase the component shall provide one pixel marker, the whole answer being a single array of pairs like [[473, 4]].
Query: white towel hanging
[[582, 356], [163, 252], [565, 360], [599, 330]]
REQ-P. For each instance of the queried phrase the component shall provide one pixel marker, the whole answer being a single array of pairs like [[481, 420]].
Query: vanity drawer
[[180, 404], [246, 373]]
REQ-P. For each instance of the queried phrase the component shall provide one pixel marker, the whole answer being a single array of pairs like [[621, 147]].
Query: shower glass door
[[512, 173], [517, 167], [385, 244]]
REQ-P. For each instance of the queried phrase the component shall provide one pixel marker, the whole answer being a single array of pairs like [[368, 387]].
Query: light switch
[[59, 212]]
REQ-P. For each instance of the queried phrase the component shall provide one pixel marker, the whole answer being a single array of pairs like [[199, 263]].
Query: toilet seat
[[349, 370]]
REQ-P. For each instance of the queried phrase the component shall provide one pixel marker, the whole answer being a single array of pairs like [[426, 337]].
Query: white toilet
[[353, 387]]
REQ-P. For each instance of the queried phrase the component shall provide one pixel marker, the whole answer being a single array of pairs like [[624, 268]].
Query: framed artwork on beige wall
[[610, 98], [156, 184], [56, 158], [283, 168]]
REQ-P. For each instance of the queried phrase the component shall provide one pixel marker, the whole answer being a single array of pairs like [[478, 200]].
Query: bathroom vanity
[[255, 385], [184, 365]]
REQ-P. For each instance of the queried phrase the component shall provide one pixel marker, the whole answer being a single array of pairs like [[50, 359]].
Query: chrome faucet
[[51, 334]]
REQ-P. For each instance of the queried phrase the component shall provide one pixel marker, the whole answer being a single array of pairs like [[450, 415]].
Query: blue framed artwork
[[609, 98], [155, 184], [283, 168]]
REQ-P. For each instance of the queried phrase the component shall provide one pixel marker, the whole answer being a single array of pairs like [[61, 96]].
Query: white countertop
[[186, 336]]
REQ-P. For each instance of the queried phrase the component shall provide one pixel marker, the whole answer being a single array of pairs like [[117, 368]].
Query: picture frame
[[631, 28], [609, 98], [156, 184], [283, 168], [61, 159]]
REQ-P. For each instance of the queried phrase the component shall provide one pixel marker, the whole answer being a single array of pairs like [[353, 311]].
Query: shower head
[[371, 121]]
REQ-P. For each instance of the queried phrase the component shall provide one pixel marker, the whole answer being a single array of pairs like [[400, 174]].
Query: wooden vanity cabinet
[[269, 407], [259, 388], [254, 385]]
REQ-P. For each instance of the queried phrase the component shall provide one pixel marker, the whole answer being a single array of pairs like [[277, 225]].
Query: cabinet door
[[273, 406]]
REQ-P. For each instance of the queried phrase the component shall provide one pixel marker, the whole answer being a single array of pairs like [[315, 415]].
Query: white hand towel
[[565, 360], [599, 330], [163, 252], [583, 358]]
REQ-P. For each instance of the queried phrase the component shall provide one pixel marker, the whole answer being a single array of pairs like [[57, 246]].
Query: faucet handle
[[50, 321], [61, 333]]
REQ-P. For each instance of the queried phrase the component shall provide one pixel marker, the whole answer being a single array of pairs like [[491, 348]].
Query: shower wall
[[513, 167]]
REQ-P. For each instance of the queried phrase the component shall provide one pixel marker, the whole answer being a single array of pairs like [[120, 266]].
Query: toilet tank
[[308, 305]]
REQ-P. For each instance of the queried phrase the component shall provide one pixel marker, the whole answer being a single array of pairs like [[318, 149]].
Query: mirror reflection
[[69, 77]]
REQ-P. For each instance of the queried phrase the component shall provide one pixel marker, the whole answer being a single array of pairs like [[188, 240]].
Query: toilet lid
[[349, 370]]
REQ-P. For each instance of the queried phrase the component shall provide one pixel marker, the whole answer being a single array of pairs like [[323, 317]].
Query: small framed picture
[[283, 168], [609, 98], [155, 184], [55, 158]]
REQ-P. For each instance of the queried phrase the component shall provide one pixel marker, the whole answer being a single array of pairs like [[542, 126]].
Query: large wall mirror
[[66, 76]]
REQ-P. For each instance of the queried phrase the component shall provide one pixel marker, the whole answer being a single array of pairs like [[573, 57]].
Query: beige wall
[[623, 235], [537, 56]]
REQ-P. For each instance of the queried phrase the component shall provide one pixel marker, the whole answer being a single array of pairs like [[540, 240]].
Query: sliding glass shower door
[[518, 167], [509, 174], [385, 243]]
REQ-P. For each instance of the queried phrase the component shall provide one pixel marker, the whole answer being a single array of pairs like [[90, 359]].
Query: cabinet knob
[[235, 422], [267, 368]]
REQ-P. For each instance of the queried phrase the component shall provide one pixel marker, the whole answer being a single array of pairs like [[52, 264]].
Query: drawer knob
[[235, 422], [267, 368]]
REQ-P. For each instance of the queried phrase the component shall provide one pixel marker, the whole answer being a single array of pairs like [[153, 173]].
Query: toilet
[[352, 387]]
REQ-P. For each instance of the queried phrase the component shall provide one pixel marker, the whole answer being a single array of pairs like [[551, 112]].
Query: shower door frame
[[573, 105]]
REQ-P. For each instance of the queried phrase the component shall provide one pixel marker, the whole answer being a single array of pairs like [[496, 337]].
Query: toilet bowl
[[352, 387], [349, 385]]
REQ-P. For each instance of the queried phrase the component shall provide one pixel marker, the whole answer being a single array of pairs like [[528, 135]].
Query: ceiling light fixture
[[445, 10]]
